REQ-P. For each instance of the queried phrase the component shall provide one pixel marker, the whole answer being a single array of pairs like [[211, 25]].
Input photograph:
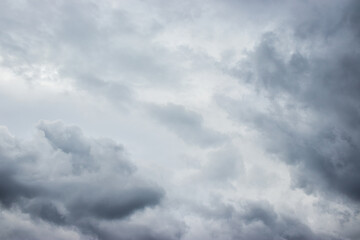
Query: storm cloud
[[185, 120], [71, 179]]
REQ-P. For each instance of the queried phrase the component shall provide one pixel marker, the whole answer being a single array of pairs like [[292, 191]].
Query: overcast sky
[[188, 120]]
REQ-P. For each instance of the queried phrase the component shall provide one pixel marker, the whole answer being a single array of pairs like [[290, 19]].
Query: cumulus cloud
[[75, 182]]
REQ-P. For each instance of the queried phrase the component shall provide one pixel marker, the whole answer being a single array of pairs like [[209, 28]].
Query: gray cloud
[[188, 125], [225, 164], [322, 84], [12, 190], [257, 220], [92, 45], [267, 224], [114, 205], [91, 181], [286, 74]]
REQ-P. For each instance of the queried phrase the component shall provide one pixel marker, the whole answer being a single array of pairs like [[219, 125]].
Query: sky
[[180, 120]]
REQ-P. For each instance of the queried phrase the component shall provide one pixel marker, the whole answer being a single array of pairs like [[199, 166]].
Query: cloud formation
[[65, 178], [313, 102], [240, 120]]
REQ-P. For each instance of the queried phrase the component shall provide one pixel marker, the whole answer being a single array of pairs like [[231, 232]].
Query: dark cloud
[[187, 124], [127, 231], [114, 205], [13, 190], [266, 224], [61, 196], [257, 220], [45, 210], [313, 110]]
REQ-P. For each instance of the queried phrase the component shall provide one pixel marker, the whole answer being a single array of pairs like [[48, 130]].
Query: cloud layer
[[237, 120]]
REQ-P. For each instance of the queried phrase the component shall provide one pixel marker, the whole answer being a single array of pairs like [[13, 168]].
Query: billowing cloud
[[256, 220], [312, 111], [65, 178]]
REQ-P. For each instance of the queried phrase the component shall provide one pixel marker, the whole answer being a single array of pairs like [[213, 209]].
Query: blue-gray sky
[[187, 120]]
